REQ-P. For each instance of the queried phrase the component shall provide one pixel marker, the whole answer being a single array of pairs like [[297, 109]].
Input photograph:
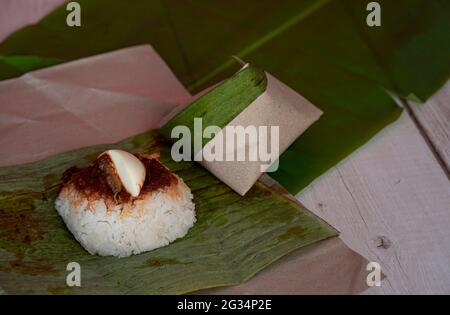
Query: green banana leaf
[[221, 105], [234, 237], [321, 48], [12, 66]]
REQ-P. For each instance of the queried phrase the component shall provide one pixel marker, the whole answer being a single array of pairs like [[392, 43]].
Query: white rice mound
[[152, 221]]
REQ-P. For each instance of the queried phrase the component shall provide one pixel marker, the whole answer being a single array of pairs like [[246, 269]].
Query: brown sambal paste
[[93, 180]]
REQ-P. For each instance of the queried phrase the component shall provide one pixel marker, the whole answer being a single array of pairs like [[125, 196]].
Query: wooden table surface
[[390, 199]]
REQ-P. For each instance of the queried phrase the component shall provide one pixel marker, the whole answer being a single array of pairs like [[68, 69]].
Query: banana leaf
[[221, 105], [321, 48], [234, 237]]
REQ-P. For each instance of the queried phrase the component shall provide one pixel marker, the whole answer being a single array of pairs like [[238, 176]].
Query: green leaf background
[[321, 48], [234, 236]]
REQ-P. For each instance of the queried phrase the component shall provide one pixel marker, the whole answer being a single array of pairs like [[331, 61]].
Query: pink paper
[[15, 14], [101, 99]]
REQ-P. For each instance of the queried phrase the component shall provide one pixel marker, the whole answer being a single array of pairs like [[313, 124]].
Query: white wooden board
[[391, 187], [434, 117]]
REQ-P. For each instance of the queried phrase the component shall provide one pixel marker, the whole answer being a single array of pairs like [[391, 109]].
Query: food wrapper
[[276, 105], [106, 98]]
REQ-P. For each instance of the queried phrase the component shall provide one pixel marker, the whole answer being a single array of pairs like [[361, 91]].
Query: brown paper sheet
[[109, 97], [327, 267], [278, 106]]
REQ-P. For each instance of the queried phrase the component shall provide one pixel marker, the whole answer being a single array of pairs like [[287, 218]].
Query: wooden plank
[[434, 118], [394, 188]]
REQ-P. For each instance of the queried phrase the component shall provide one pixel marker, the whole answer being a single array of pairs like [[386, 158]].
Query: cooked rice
[[106, 227]]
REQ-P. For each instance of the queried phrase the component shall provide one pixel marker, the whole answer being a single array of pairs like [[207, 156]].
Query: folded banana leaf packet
[[262, 107]]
